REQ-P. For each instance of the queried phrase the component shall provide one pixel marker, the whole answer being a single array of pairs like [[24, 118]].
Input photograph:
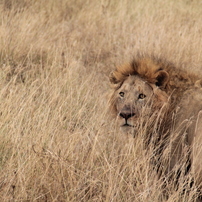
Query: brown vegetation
[[55, 56]]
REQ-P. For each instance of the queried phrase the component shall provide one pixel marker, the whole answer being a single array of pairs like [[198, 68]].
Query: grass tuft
[[58, 142]]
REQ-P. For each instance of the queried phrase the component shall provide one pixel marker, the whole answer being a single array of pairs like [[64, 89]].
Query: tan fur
[[172, 87], [189, 117]]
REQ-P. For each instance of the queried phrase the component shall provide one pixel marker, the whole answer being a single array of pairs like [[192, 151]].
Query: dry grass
[[57, 142]]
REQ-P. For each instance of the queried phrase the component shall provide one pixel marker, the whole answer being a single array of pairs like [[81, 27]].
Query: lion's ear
[[162, 78], [115, 83], [112, 78]]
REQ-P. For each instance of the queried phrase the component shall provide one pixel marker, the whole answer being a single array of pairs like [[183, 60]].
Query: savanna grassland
[[58, 142]]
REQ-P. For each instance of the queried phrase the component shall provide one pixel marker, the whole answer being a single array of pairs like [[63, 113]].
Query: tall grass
[[58, 142]]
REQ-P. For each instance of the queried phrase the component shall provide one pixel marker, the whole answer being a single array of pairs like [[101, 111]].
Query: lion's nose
[[126, 115]]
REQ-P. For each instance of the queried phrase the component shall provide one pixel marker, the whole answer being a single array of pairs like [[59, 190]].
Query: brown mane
[[148, 68]]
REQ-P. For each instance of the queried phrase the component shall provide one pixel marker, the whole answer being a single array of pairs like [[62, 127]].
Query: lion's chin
[[127, 128]]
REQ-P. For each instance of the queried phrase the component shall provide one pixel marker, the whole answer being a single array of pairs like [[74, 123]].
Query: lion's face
[[136, 101]]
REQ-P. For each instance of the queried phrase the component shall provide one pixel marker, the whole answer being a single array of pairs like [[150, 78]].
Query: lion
[[154, 94]]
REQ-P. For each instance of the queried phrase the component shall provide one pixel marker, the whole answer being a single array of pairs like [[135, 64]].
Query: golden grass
[[57, 140]]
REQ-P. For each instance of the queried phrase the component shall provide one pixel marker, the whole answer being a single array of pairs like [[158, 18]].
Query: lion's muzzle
[[126, 113]]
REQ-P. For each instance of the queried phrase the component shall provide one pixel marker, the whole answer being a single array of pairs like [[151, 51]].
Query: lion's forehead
[[134, 80], [136, 83]]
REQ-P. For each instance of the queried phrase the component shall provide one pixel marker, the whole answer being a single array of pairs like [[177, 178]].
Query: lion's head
[[138, 93]]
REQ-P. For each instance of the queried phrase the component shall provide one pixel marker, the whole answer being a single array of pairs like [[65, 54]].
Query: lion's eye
[[121, 94], [141, 96]]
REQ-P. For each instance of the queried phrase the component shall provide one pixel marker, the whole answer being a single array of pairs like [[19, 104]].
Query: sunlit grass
[[58, 142]]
